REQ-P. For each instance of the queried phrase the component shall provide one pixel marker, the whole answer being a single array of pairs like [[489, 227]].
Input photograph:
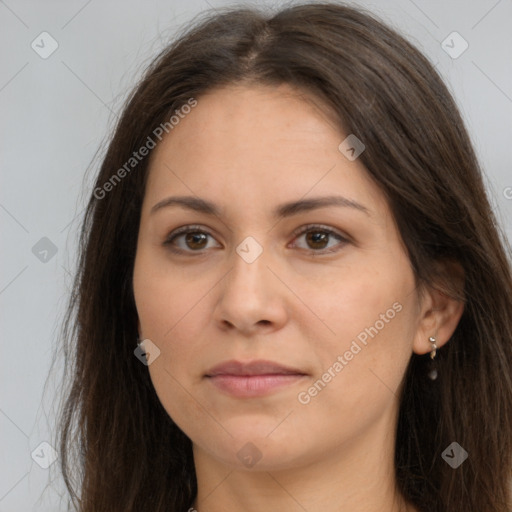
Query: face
[[276, 273]]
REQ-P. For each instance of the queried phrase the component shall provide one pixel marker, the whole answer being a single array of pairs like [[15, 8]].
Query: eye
[[189, 239], [193, 239], [318, 239]]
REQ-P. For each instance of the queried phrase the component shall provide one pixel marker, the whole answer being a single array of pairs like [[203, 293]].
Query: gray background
[[56, 112]]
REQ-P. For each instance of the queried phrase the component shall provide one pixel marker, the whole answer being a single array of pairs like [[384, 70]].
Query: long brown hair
[[120, 450]]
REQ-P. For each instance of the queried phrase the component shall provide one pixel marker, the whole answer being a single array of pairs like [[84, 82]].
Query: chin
[[254, 450]]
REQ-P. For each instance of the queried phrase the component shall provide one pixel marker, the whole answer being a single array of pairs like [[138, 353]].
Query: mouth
[[252, 368], [253, 379]]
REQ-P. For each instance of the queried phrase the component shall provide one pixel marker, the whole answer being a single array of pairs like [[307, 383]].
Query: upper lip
[[259, 367]]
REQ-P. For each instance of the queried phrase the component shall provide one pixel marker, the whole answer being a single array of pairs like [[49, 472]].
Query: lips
[[260, 367], [255, 379]]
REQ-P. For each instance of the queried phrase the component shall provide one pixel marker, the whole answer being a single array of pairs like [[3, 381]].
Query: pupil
[[317, 237], [193, 238]]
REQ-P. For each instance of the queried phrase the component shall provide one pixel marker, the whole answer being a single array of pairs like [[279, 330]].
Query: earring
[[432, 374]]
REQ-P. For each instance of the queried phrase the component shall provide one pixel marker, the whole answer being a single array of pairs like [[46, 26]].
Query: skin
[[248, 149]]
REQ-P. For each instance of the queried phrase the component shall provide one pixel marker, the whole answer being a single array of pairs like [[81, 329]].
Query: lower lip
[[243, 386]]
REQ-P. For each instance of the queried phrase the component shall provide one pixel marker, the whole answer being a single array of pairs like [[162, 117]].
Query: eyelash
[[311, 227]]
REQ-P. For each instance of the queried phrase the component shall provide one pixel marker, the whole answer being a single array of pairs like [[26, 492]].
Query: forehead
[[269, 142], [238, 118]]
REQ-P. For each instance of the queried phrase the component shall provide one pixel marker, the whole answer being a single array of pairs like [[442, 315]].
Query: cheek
[[163, 298], [359, 299], [361, 366], [174, 309], [171, 308], [367, 320]]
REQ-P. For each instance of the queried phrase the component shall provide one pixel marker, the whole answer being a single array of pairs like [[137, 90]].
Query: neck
[[358, 477]]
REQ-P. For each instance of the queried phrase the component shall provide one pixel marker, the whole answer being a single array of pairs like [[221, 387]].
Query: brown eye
[[196, 240], [188, 240], [193, 239], [318, 239]]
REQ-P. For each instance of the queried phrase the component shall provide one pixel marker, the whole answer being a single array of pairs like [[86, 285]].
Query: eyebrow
[[284, 210]]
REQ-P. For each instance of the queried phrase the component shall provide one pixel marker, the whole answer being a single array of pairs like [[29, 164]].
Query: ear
[[440, 312]]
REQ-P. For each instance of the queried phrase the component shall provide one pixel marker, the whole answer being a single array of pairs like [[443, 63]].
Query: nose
[[251, 297]]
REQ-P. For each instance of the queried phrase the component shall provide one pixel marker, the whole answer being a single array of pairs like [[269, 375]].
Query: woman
[[292, 291]]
